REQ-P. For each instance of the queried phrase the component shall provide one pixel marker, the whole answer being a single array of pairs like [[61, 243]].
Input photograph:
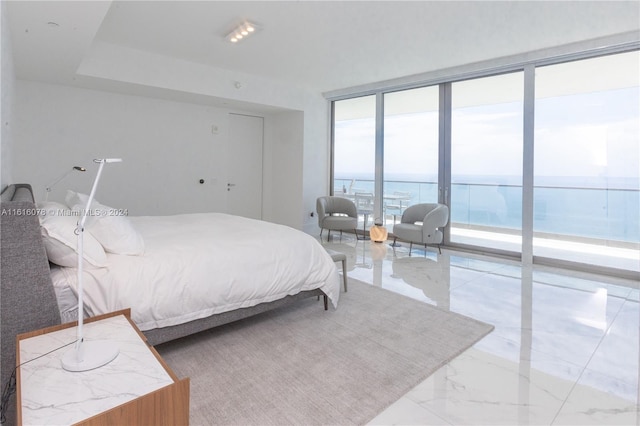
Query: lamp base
[[96, 354]]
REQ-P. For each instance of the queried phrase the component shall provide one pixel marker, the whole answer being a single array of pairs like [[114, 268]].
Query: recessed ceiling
[[322, 46]]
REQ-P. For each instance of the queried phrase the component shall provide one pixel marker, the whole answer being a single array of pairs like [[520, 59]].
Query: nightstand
[[135, 388]]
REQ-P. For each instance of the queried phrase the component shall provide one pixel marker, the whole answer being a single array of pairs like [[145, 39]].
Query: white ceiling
[[320, 45]]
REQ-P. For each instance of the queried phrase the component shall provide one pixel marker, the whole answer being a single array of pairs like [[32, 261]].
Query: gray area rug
[[301, 365]]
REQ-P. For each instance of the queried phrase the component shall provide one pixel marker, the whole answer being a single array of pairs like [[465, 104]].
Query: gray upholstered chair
[[336, 213], [432, 217]]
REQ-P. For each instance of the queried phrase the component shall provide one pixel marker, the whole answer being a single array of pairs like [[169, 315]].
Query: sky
[[595, 136]]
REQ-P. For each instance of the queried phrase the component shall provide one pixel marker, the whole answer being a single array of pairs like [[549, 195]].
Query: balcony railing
[[606, 216]]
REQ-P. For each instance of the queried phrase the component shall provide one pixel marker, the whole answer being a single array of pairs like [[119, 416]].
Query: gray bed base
[[27, 297], [165, 334]]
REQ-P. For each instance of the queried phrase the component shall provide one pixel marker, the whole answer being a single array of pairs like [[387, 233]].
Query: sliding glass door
[[486, 162], [410, 150], [587, 161], [462, 142], [354, 153]]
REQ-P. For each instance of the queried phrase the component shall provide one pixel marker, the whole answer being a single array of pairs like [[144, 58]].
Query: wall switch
[[214, 129]]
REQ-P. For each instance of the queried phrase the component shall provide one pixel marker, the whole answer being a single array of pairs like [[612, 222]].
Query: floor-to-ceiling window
[[410, 150], [587, 161], [486, 161], [461, 141], [354, 155]]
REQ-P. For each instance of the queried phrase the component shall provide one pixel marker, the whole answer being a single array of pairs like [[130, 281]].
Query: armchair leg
[[364, 227], [364, 235], [410, 247], [328, 234], [344, 274], [439, 251]]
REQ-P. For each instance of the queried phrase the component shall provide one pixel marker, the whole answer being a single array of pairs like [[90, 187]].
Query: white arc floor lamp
[[93, 353]]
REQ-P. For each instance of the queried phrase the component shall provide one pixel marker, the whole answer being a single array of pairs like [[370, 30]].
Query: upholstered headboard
[[27, 297]]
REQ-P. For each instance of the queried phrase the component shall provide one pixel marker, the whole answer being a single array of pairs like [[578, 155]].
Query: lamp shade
[[378, 233]]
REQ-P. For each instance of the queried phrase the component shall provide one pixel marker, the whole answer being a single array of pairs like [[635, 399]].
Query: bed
[[248, 266], [198, 265]]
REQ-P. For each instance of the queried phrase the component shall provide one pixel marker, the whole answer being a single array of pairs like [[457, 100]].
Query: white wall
[[304, 166], [284, 138], [316, 158], [296, 184], [107, 63], [166, 146], [7, 79]]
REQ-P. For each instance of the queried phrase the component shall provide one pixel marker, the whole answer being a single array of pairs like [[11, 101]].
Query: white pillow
[[61, 242], [74, 198], [109, 226], [51, 208]]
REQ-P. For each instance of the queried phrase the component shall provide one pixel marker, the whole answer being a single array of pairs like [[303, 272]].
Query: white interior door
[[244, 184]]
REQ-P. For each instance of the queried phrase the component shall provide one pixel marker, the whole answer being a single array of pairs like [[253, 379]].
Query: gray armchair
[[336, 213], [432, 215]]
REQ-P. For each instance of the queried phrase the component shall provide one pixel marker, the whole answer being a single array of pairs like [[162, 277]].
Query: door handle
[[443, 199]]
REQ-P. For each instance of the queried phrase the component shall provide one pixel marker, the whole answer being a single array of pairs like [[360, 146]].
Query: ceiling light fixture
[[241, 31]]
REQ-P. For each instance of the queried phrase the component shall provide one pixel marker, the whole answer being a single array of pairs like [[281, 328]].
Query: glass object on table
[[364, 205]]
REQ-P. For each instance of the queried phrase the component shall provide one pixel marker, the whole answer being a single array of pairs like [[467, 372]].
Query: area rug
[[301, 365]]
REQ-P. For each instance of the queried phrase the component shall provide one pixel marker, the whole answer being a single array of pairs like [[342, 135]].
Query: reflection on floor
[[626, 257], [565, 349]]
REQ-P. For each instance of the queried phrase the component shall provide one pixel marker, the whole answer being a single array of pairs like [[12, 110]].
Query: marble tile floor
[[565, 349]]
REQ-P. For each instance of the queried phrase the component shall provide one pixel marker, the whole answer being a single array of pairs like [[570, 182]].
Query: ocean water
[[571, 206]]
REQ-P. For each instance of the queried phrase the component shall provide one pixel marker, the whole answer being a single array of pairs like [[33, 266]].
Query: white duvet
[[196, 265]]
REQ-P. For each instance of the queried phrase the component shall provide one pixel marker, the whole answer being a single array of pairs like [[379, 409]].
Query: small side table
[[135, 388]]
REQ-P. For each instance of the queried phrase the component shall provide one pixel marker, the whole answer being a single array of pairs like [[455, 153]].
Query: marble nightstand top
[[51, 395]]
